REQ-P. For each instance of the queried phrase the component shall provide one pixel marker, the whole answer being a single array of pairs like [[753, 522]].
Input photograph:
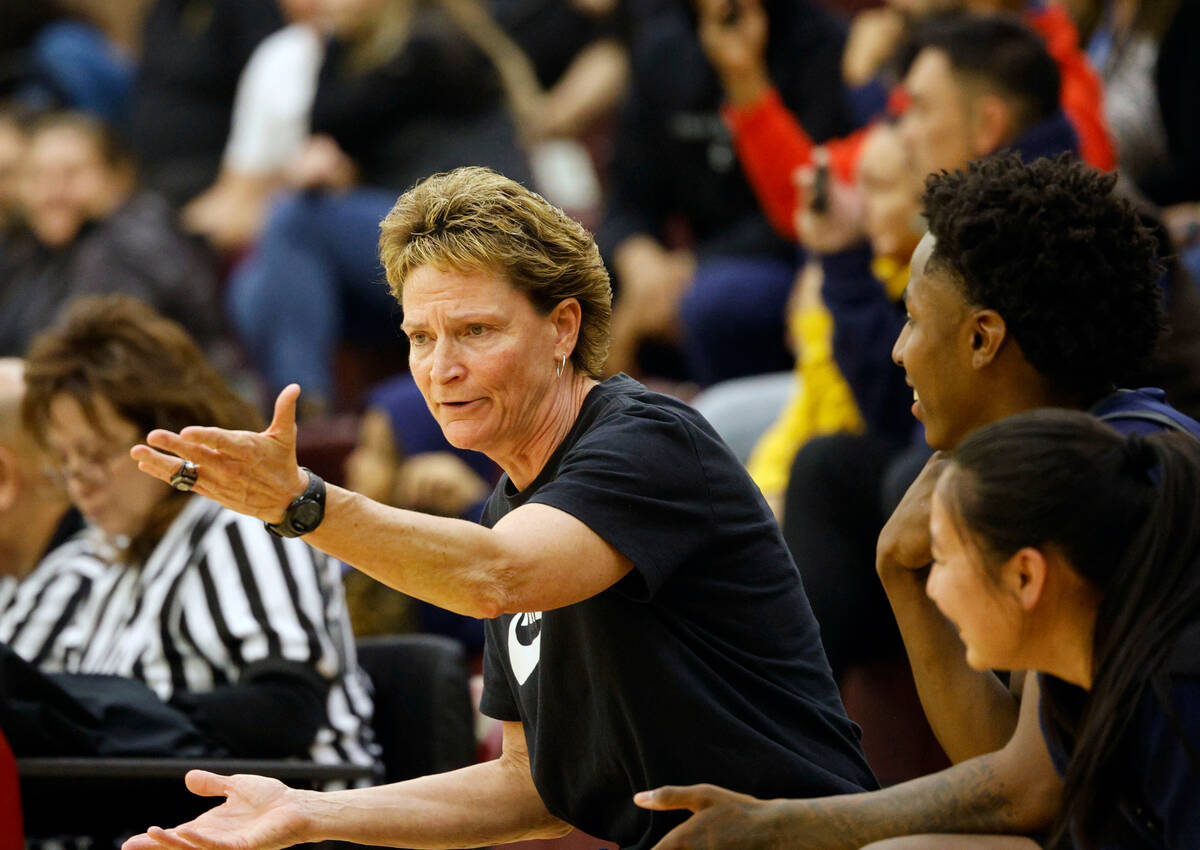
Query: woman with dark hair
[[244, 633], [1063, 547]]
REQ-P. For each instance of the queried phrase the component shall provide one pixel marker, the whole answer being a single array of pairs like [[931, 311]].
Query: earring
[[562, 364]]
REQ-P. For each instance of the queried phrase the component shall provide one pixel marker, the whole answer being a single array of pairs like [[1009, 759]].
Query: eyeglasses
[[95, 467]]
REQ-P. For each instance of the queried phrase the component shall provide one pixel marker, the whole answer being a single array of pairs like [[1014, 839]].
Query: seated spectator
[[891, 223], [991, 332], [978, 85], [767, 419], [43, 578], [192, 53], [244, 633], [1064, 547], [88, 230], [772, 143], [697, 264], [403, 92]]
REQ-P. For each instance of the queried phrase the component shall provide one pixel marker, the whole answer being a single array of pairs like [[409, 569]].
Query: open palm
[[258, 814]]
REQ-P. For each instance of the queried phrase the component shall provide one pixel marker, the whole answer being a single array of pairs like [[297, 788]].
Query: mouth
[[916, 398]]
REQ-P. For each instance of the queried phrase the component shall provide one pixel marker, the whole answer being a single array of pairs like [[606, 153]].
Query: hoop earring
[[562, 364]]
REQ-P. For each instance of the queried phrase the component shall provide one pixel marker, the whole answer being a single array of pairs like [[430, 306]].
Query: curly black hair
[[1070, 267]]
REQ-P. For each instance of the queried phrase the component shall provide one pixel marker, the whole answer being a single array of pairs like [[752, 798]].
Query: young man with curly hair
[[1035, 287]]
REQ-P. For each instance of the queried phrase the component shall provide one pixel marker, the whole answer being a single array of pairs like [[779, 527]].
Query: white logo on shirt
[[524, 644]]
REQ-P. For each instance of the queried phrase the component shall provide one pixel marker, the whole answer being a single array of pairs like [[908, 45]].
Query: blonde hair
[[473, 219]]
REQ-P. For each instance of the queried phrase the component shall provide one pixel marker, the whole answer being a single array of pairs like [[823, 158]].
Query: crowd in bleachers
[[190, 200]]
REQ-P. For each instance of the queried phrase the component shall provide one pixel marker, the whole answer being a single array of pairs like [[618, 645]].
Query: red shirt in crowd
[[771, 144]]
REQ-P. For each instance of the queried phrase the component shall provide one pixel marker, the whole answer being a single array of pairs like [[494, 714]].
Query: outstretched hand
[[252, 473], [258, 814], [722, 820]]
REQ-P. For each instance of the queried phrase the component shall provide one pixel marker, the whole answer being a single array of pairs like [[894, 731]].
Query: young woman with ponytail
[[1064, 547]]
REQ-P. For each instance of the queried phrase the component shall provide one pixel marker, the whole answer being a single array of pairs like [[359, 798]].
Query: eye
[[418, 337], [476, 330]]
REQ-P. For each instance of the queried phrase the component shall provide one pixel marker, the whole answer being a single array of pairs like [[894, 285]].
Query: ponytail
[[1126, 513]]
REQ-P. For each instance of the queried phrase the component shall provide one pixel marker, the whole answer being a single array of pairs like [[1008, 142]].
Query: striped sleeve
[[259, 597], [41, 621]]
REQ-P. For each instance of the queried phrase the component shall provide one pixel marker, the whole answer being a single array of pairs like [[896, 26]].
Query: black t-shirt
[[703, 664]]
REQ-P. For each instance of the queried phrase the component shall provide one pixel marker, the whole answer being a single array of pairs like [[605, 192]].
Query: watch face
[[306, 516]]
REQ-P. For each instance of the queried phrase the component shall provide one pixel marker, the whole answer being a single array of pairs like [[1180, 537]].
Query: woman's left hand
[[251, 473]]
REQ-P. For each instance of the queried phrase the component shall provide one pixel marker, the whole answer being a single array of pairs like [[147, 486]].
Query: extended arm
[[490, 803], [479, 805], [1013, 791], [536, 558]]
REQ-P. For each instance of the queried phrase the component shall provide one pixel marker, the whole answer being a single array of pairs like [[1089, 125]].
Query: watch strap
[[310, 504]]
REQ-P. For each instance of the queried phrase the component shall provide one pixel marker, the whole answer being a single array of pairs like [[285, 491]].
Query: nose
[[898, 347], [446, 365], [933, 584]]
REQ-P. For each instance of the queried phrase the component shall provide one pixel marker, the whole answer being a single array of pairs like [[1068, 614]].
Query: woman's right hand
[[258, 814], [252, 473]]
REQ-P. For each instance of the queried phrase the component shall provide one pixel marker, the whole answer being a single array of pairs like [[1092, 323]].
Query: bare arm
[[535, 559], [490, 803], [590, 87], [971, 712], [478, 805], [1013, 791]]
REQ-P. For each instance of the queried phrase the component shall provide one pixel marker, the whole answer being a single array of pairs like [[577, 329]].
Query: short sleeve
[[498, 700], [274, 98], [638, 482]]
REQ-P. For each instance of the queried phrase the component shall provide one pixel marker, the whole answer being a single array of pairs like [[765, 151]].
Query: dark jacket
[[136, 251]]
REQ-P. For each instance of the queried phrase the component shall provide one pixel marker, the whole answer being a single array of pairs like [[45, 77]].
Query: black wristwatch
[[305, 512]]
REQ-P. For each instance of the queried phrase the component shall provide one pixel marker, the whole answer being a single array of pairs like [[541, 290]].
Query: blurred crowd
[[753, 171]]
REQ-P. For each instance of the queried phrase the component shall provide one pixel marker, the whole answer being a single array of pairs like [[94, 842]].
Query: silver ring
[[185, 477]]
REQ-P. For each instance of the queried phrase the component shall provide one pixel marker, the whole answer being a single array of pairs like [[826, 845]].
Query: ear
[[992, 127], [1024, 575], [988, 332], [10, 479], [567, 316]]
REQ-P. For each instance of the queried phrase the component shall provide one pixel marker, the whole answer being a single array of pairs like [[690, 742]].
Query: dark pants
[[313, 281], [733, 318], [841, 491]]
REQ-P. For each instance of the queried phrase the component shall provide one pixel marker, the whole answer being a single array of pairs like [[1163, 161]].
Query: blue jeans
[[733, 318], [313, 280], [74, 63]]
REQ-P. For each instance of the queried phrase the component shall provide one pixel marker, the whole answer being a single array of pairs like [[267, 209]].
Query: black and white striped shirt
[[218, 594], [38, 614]]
